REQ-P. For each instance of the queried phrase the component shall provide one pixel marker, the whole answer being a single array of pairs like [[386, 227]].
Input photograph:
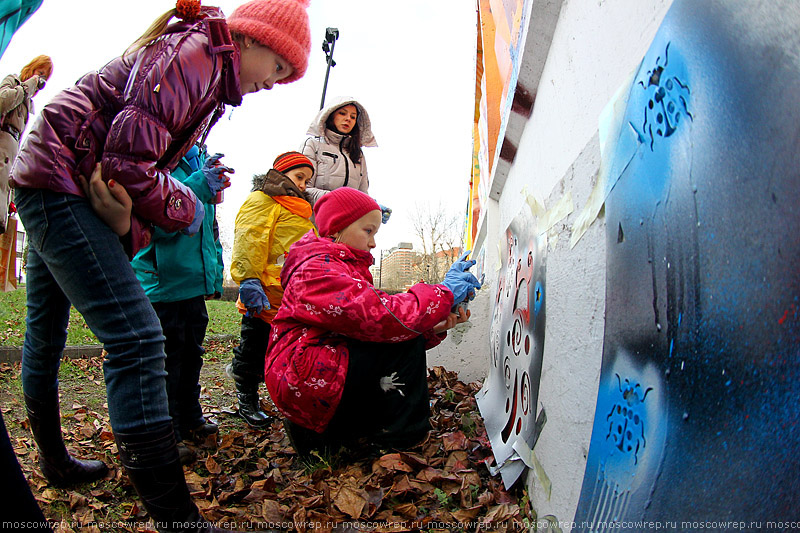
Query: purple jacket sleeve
[[166, 98]]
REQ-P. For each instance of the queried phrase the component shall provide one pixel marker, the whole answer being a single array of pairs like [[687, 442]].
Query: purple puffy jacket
[[138, 116]]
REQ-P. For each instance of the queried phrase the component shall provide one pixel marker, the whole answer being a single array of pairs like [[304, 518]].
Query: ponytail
[[155, 31], [184, 9]]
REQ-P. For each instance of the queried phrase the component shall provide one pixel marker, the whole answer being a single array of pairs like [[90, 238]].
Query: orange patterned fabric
[[289, 160]]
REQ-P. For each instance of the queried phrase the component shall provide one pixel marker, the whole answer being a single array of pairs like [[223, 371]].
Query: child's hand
[[460, 282], [252, 296], [452, 320], [216, 174], [110, 201], [385, 213]]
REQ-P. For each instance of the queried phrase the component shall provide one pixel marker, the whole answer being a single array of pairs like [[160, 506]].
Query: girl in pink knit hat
[[127, 126], [346, 361]]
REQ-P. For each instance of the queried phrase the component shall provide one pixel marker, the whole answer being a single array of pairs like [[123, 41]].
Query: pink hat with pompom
[[341, 207], [280, 25]]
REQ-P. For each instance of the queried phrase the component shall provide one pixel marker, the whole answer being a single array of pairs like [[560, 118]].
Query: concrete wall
[[573, 347]]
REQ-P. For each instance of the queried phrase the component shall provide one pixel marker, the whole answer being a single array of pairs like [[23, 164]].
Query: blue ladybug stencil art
[[626, 419]]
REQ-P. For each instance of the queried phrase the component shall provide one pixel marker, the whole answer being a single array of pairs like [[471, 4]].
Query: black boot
[[185, 455], [305, 441], [200, 433], [249, 404], [153, 466], [250, 408], [59, 467]]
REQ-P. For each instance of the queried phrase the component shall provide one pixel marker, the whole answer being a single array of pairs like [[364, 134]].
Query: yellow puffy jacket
[[266, 226]]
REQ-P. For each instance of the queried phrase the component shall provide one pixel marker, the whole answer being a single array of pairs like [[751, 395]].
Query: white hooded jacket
[[333, 168]]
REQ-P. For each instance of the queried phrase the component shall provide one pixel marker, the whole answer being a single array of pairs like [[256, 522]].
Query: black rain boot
[[59, 467], [250, 408], [305, 441], [199, 433], [153, 466], [185, 455]]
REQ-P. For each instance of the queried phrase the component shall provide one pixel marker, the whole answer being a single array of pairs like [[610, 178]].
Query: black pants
[[250, 356], [398, 417], [18, 503], [184, 324]]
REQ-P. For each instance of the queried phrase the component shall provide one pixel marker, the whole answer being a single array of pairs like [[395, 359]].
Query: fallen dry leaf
[[408, 510], [350, 501], [272, 511], [212, 466], [454, 441], [468, 514], [393, 461]]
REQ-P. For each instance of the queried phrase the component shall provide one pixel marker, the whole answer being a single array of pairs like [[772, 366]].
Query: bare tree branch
[[439, 233]]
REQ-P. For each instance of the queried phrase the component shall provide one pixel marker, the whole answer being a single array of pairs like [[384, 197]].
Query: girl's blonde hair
[[155, 31], [39, 63]]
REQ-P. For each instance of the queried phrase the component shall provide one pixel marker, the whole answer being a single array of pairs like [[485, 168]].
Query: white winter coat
[[333, 168]]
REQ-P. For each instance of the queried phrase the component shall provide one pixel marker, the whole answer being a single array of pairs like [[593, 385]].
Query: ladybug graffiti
[[667, 102], [626, 419]]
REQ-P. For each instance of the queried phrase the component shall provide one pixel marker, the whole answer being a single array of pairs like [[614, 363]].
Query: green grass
[[223, 319]]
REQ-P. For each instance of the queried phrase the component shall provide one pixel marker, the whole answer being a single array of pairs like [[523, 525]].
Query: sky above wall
[[410, 63]]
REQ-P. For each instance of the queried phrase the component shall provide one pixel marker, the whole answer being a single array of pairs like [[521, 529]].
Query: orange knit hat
[[289, 160], [280, 25]]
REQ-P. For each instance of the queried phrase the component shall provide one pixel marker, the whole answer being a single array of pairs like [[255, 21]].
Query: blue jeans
[[75, 257]]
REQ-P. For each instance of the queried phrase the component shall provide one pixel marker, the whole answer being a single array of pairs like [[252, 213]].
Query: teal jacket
[[175, 266], [13, 14]]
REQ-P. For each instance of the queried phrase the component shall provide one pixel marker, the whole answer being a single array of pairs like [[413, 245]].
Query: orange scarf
[[298, 206]]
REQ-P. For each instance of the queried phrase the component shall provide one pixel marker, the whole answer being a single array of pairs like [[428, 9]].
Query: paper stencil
[[509, 396]]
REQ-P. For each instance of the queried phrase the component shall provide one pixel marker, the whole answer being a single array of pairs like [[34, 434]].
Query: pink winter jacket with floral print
[[328, 299]]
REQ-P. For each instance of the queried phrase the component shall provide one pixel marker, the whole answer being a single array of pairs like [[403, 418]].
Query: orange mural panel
[[498, 56]]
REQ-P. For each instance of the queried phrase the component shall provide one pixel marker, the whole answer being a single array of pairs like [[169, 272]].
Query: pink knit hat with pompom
[[341, 207], [281, 26]]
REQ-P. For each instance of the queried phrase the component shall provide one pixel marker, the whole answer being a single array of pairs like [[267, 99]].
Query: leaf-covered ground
[[252, 480]]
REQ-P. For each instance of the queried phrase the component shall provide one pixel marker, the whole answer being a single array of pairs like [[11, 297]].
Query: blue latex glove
[[252, 295], [197, 221], [214, 172], [385, 213], [460, 282]]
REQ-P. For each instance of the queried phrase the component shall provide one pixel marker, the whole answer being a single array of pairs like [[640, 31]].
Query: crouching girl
[[346, 361]]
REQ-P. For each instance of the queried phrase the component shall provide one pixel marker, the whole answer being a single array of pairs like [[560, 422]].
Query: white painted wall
[[573, 346], [595, 46]]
